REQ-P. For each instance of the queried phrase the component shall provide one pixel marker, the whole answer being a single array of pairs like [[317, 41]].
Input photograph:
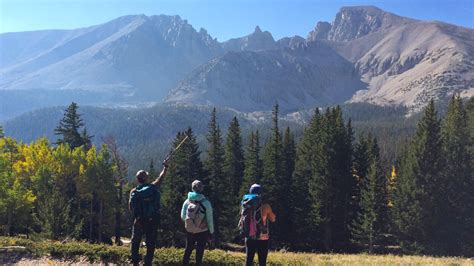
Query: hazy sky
[[223, 19]]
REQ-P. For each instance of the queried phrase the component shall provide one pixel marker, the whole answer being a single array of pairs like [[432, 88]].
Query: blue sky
[[223, 19]]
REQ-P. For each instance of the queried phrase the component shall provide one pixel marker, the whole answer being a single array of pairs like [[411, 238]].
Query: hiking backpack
[[145, 202], [250, 223], [195, 214]]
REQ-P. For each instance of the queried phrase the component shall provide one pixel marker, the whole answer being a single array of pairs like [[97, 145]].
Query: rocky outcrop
[[258, 40]]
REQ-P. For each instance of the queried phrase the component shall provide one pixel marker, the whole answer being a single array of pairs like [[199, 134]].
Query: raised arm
[[162, 175]]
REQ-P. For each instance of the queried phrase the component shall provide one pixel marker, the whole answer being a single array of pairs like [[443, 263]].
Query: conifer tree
[[234, 159], [233, 172], [416, 195], [368, 227], [151, 169], [272, 159], [218, 183], [457, 185], [331, 183], [273, 181], [2, 134], [304, 233], [184, 168], [253, 163], [69, 127], [288, 167]]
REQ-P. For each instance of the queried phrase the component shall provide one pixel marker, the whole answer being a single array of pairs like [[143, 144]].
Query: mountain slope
[[301, 77], [146, 55], [404, 61]]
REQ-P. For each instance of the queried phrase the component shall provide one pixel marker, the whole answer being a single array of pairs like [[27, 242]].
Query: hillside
[[304, 76], [364, 55], [404, 61], [146, 133]]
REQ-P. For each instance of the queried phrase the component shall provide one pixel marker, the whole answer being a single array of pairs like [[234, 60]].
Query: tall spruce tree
[[253, 164], [69, 127], [457, 185], [2, 134], [303, 232], [184, 167], [218, 183], [369, 225], [416, 197], [288, 167], [233, 172], [273, 180], [331, 183], [234, 158]]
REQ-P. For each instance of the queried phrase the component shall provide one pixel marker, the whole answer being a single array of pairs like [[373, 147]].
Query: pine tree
[[2, 134], [69, 127], [151, 169], [253, 164], [273, 181], [457, 187], [369, 225], [234, 158], [185, 167], [288, 167], [218, 184], [331, 183], [234, 172], [416, 194], [304, 233], [272, 161]]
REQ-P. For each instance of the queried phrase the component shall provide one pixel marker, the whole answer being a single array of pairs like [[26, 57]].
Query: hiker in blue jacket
[[144, 205], [197, 217]]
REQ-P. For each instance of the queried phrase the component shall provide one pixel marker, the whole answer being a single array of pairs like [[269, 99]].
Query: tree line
[[330, 192]]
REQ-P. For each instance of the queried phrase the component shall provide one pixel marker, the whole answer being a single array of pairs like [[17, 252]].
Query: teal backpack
[[145, 202]]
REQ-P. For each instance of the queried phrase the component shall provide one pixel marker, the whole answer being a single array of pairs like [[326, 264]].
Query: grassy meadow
[[68, 252]]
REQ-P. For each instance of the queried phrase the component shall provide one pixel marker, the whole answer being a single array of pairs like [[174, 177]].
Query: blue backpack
[[145, 202], [250, 222]]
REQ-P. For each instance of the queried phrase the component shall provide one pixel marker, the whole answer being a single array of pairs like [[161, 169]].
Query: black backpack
[[145, 202]]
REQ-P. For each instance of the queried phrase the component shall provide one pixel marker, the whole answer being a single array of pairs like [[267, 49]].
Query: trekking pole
[[175, 149]]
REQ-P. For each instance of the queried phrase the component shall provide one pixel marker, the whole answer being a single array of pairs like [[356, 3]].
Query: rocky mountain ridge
[[364, 55]]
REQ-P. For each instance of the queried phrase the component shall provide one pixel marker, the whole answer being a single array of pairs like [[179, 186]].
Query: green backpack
[[145, 202]]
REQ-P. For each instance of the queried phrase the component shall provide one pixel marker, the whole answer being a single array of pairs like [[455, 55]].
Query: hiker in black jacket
[[144, 205]]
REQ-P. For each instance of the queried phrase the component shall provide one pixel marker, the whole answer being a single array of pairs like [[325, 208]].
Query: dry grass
[[50, 252], [289, 258]]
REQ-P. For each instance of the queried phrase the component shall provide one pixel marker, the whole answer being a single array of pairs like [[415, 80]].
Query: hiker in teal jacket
[[197, 216]]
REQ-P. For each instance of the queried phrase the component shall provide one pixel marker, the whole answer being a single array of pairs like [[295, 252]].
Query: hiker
[[198, 222], [253, 225], [144, 205]]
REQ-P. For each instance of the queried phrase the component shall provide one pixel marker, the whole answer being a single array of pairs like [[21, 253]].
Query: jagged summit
[[257, 40], [136, 58], [354, 22]]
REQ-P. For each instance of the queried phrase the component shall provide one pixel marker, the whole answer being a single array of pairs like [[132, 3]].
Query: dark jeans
[[149, 228], [259, 246], [191, 239]]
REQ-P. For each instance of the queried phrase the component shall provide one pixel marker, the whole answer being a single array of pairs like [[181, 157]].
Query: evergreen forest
[[336, 185]]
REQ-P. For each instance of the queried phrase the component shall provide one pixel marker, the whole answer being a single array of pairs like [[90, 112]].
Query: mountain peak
[[257, 30], [352, 22]]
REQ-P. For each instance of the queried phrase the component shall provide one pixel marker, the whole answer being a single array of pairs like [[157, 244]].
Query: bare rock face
[[302, 76], [404, 61], [364, 55], [320, 32], [258, 40]]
